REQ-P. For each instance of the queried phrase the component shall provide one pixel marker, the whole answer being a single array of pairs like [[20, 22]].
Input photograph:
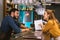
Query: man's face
[[16, 15]]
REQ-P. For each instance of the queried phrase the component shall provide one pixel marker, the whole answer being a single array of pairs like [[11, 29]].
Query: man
[[9, 24]]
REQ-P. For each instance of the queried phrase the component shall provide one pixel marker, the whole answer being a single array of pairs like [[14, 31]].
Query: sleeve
[[48, 26], [17, 23], [13, 25]]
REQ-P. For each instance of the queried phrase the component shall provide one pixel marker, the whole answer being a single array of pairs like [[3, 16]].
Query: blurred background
[[27, 9]]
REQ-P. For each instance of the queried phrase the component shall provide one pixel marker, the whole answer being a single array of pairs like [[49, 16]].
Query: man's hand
[[25, 30], [30, 28]]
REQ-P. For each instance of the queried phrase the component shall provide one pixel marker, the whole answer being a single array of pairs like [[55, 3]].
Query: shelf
[[56, 2], [7, 7]]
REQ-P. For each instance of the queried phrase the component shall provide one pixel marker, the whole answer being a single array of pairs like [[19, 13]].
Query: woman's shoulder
[[51, 21]]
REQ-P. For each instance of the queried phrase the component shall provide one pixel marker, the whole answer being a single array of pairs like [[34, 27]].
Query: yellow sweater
[[52, 27]]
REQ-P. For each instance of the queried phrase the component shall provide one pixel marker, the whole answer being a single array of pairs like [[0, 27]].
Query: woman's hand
[[41, 25]]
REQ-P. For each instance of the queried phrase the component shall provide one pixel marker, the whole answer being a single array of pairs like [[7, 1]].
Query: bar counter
[[31, 35]]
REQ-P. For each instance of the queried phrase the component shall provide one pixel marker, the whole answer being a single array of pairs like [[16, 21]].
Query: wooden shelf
[[6, 7]]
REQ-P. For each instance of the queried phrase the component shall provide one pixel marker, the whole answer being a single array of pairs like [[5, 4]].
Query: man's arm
[[22, 26], [13, 25]]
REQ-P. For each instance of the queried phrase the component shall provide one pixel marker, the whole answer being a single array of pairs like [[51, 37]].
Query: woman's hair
[[51, 14]]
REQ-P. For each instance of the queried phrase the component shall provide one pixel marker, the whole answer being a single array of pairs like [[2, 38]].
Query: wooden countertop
[[31, 35]]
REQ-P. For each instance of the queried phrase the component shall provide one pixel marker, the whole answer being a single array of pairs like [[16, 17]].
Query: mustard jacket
[[52, 27]]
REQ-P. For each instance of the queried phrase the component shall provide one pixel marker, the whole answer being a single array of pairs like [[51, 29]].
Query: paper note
[[37, 26]]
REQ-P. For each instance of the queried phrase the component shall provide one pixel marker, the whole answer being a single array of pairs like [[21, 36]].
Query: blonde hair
[[51, 15]]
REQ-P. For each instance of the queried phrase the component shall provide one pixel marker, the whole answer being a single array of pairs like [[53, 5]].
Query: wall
[[1, 10], [55, 7]]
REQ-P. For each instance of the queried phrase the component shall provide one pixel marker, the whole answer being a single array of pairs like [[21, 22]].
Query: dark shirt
[[17, 23], [9, 24]]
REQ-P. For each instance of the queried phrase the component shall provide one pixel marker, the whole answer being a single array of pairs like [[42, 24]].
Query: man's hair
[[13, 10]]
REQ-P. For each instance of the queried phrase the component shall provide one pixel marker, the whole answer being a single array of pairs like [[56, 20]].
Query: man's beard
[[15, 17]]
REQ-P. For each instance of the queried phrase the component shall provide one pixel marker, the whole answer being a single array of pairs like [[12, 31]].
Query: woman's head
[[49, 14]]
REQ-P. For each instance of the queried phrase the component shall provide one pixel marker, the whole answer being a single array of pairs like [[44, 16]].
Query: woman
[[52, 26]]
